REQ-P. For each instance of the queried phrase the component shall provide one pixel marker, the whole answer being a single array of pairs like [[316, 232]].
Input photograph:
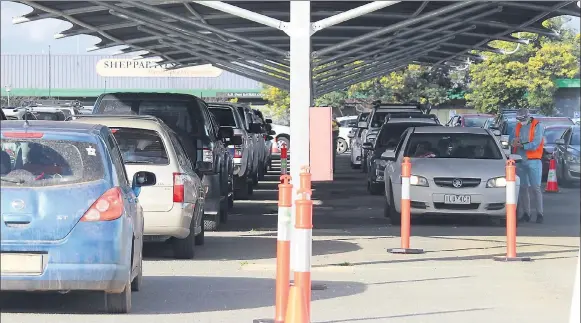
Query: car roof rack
[[53, 103], [410, 115], [127, 116]]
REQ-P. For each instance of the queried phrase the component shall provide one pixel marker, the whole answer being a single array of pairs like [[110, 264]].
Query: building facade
[[87, 76]]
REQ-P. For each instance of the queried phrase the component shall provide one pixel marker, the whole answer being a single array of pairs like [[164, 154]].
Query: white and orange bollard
[[406, 173], [283, 159], [511, 215], [285, 194]]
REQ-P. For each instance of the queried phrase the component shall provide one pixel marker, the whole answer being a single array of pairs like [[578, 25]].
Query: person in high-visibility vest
[[528, 142]]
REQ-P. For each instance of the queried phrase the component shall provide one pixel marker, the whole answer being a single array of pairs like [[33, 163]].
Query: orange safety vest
[[531, 154]]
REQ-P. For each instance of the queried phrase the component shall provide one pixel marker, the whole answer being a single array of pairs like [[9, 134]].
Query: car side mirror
[[141, 179], [388, 155], [362, 125], [269, 138], [367, 146], [204, 167], [226, 132], [560, 142], [268, 121], [272, 133], [496, 132], [235, 140], [517, 158]]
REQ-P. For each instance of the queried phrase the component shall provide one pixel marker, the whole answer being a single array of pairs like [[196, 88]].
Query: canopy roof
[[187, 33]]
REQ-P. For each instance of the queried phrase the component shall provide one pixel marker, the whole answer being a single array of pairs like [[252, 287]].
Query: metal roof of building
[[192, 33]]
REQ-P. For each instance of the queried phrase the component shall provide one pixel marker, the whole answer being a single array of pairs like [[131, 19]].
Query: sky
[[36, 37]]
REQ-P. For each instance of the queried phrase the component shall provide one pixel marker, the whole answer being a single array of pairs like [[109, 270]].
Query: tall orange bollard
[[406, 172], [511, 215], [285, 189], [304, 242]]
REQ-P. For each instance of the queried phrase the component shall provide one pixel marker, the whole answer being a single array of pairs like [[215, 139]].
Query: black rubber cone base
[[313, 286], [407, 251], [265, 321], [511, 259]]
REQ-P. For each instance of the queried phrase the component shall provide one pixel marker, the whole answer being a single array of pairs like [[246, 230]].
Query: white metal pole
[[299, 30], [350, 14]]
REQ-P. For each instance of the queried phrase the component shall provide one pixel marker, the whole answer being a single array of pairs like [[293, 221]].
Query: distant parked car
[[71, 219], [469, 120], [567, 157]]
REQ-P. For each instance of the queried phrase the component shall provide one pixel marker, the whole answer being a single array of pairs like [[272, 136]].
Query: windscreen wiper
[[15, 181]]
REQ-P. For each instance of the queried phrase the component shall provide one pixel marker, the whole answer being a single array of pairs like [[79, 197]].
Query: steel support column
[[350, 14], [300, 88]]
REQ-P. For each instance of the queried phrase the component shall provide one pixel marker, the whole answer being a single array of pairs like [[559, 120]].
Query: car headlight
[[573, 159], [496, 182], [418, 181], [504, 144]]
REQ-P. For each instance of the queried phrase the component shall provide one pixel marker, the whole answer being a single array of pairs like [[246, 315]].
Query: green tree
[[278, 106]]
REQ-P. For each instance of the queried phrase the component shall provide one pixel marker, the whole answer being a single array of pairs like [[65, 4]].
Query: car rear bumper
[[174, 223], [94, 256], [430, 201]]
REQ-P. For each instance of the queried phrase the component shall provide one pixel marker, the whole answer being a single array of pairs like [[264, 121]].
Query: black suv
[[201, 136], [387, 139]]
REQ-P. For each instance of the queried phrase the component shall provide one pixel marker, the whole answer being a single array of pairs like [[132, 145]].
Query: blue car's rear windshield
[[453, 145], [41, 162]]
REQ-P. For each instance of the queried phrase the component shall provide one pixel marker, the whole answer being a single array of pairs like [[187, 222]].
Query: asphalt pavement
[[455, 280]]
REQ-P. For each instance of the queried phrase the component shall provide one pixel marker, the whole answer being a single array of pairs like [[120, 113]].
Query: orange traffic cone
[[296, 311], [552, 186]]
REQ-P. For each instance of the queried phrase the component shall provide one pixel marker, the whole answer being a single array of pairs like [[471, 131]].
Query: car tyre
[[341, 146], [199, 239], [394, 216], [184, 248], [224, 212], [119, 303], [137, 282], [374, 189], [255, 178], [355, 166]]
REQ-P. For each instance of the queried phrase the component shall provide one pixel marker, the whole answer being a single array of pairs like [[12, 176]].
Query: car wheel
[[394, 216], [224, 213], [355, 166], [255, 178], [341, 146], [283, 140], [184, 248], [364, 165], [199, 239], [374, 189], [250, 189], [261, 172], [138, 280], [119, 303], [231, 201]]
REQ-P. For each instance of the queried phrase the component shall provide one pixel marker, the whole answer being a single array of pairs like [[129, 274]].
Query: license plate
[[457, 199], [21, 263]]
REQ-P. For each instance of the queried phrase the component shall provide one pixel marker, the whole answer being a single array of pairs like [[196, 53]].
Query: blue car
[[70, 217]]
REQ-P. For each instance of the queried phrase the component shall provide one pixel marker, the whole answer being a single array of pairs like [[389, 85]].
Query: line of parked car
[[142, 167], [444, 158]]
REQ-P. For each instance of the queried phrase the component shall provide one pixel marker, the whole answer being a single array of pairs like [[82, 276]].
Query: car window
[[400, 143], [508, 127], [182, 116], [390, 134], [475, 121], [555, 121], [224, 116], [118, 161], [183, 159], [44, 162], [141, 146], [452, 145], [552, 134], [55, 116], [575, 137]]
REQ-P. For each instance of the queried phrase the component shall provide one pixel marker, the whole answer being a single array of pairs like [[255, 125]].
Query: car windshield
[[575, 137], [509, 129], [140, 146], [553, 133], [475, 121], [41, 163], [55, 116], [390, 134], [224, 116], [181, 116], [453, 145], [556, 121]]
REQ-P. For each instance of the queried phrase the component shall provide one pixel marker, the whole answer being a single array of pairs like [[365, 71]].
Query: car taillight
[[207, 156], [23, 134], [237, 151], [178, 187], [108, 207]]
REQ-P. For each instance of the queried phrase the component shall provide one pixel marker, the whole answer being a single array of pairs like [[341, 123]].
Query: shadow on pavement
[[244, 248], [406, 315], [172, 295]]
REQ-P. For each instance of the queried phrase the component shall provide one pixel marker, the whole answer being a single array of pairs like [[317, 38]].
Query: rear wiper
[[15, 181]]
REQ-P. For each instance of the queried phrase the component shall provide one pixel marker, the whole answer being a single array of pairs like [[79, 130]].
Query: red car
[[469, 120]]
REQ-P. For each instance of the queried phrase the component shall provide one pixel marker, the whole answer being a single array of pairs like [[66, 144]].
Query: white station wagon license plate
[[21, 263], [457, 199]]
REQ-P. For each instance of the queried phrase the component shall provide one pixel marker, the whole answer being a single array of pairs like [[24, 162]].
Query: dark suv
[[387, 139], [201, 136]]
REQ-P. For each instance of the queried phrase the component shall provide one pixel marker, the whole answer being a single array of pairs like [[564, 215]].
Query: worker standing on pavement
[[528, 142], [335, 125]]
